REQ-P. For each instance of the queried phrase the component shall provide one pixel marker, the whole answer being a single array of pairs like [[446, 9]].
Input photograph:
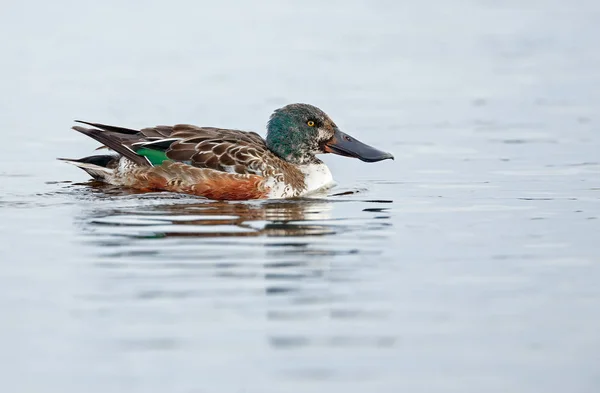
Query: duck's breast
[[316, 177]]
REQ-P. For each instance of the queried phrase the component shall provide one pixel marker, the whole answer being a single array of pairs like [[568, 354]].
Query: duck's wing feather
[[226, 150], [188, 131], [178, 131]]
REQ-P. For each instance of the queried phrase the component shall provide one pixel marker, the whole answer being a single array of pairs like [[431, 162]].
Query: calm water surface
[[471, 263]]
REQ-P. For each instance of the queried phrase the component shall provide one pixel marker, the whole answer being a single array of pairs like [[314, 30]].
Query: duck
[[225, 164]]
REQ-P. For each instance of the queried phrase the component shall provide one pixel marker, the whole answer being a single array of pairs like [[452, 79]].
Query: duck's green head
[[297, 132]]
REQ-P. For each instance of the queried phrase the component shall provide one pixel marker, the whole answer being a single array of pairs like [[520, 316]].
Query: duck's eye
[[310, 123]]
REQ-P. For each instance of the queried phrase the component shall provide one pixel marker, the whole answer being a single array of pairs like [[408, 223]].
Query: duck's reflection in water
[[219, 219], [279, 262]]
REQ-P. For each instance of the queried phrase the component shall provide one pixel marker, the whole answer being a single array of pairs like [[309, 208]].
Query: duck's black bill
[[345, 145]]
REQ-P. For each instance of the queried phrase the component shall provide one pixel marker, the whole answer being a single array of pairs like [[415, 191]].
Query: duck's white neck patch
[[316, 177]]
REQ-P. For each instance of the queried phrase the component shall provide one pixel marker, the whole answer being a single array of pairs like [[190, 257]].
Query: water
[[468, 264]]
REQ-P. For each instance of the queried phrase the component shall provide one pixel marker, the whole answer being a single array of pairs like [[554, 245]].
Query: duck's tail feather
[[105, 127], [113, 142], [95, 166]]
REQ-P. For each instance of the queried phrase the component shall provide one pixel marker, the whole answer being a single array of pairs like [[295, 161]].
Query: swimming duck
[[225, 164]]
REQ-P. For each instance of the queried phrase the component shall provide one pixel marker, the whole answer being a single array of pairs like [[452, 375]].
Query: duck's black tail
[[99, 167]]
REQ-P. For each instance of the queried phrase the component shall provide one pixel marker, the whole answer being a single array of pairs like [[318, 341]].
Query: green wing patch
[[155, 157]]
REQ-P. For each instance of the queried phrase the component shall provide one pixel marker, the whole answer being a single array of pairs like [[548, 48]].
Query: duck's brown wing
[[213, 162], [225, 150], [188, 131], [130, 136]]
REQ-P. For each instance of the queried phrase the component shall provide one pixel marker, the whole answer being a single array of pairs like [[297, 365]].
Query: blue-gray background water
[[471, 263]]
